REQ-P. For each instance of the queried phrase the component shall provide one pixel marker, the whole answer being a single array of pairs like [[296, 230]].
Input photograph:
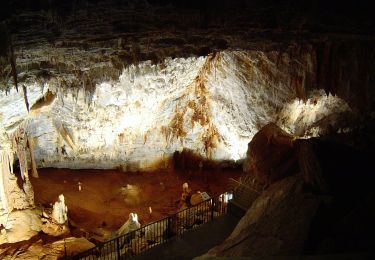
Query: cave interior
[[117, 104]]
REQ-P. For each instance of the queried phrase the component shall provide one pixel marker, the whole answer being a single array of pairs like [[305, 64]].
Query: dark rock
[[277, 223]]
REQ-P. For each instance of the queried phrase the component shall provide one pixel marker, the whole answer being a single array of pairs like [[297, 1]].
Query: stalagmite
[[19, 143], [60, 210], [34, 171], [130, 225], [185, 187]]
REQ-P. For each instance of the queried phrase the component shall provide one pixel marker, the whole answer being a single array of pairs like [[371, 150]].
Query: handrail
[[158, 232], [245, 185], [243, 194]]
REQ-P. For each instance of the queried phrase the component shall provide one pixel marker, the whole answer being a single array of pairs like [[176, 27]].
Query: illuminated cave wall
[[212, 105]]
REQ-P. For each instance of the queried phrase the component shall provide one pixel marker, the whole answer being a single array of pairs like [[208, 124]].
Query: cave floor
[[100, 208]]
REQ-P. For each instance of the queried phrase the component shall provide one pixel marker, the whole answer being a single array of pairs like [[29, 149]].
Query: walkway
[[194, 243]]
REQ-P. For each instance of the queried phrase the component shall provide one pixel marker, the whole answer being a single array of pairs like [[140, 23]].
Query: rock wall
[[322, 208], [276, 224], [212, 105]]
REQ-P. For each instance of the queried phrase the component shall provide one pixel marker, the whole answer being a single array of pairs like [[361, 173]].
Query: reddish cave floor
[[100, 207]]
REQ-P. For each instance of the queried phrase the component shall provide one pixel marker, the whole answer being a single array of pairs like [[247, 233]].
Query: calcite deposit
[[212, 105], [60, 210]]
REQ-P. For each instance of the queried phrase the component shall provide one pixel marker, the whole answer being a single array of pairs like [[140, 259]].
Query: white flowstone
[[306, 119], [13, 111], [60, 210], [211, 105]]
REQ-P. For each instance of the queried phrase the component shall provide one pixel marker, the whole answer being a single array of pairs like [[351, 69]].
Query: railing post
[[118, 248], [212, 208], [169, 227]]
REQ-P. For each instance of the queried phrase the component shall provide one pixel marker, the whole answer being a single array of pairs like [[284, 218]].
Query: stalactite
[[25, 97], [20, 197]]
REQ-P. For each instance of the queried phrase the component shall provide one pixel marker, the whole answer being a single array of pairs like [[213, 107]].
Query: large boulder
[[277, 223], [21, 225], [271, 154], [326, 208], [51, 227]]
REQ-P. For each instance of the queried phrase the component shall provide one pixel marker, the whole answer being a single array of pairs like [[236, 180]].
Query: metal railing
[[243, 194], [158, 232]]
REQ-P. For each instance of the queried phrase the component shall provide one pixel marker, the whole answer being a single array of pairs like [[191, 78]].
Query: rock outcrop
[[271, 155], [20, 225], [277, 223], [19, 219], [321, 207]]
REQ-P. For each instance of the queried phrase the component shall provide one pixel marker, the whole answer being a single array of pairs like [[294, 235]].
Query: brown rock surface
[[271, 154], [40, 250], [21, 225], [277, 223]]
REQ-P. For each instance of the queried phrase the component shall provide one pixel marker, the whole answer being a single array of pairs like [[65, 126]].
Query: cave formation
[[115, 104]]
